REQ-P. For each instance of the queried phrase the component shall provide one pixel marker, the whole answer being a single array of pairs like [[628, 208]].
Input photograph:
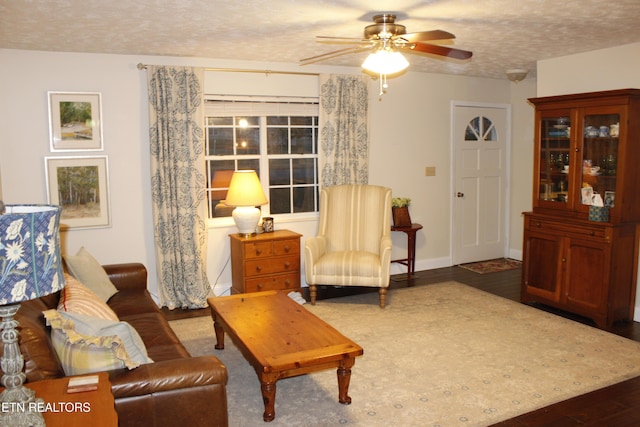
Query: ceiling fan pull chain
[[383, 85]]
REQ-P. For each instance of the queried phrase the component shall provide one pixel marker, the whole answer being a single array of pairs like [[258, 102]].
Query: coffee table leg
[[219, 335], [344, 377], [268, 388]]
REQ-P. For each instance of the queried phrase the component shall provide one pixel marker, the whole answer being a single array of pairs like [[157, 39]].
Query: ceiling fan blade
[[333, 54], [330, 39], [439, 50], [427, 35]]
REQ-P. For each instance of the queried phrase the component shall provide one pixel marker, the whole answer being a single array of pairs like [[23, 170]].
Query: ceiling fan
[[385, 35]]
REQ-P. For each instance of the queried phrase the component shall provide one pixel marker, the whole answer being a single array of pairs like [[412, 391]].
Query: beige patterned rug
[[437, 355]]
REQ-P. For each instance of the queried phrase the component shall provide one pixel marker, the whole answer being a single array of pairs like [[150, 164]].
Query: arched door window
[[480, 129]]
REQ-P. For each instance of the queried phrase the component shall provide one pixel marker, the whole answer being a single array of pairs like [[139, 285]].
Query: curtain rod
[[142, 66]]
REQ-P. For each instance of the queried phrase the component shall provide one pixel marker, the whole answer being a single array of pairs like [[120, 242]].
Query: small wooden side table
[[266, 261], [90, 408], [410, 260]]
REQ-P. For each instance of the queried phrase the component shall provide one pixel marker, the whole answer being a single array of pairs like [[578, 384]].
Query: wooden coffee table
[[280, 339]]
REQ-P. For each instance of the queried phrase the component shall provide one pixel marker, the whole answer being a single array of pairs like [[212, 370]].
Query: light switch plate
[[430, 171]]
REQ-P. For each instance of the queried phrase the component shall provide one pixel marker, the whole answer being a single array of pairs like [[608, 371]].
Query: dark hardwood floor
[[614, 406]]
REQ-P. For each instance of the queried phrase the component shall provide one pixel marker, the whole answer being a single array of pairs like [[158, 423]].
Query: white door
[[480, 141]]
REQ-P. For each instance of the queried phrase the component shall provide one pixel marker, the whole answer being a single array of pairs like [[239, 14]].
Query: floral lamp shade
[[30, 260]]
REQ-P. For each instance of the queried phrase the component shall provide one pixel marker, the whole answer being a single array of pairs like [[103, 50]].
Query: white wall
[[614, 68], [409, 130], [522, 115]]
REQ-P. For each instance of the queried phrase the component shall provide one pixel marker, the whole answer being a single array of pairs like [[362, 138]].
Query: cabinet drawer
[[562, 229], [255, 267], [273, 283], [286, 247], [258, 249]]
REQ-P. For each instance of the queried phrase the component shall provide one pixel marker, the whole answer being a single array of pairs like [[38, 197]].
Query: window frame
[[236, 106]]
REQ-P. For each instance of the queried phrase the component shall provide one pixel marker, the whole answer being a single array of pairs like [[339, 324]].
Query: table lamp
[[30, 267], [245, 193]]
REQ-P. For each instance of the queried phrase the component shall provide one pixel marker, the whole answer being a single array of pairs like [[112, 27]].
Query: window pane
[[219, 121], [302, 141], [247, 121], [301, 121], [248, 141], [304, 171], [303, 199], [279, 172], [220, 173], [220, 141], [249, 164], [277, 141], [277, 120], [279, 200]]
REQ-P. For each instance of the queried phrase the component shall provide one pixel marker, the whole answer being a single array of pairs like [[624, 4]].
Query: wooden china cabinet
[[585, 145]]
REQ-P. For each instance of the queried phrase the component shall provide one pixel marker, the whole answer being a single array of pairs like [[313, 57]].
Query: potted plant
[[400, 211]]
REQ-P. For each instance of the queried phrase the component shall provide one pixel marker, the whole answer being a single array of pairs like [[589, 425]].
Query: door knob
[[460, 194]]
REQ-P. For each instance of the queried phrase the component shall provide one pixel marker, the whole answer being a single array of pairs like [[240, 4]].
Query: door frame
[[452, 168]]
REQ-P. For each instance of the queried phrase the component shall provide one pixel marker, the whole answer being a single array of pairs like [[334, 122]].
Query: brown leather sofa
[[175, 390]]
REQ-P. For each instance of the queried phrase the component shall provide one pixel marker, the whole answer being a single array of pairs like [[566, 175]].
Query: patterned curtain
[[176, 114], [344, 129]]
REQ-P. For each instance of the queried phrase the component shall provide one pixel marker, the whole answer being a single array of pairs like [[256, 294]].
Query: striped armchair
[[353, 245]]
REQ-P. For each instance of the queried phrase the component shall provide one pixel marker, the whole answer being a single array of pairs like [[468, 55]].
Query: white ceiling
[[502, 34]]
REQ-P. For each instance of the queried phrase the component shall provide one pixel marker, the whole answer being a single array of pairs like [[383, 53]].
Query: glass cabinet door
[[599, 159], [555, 159]]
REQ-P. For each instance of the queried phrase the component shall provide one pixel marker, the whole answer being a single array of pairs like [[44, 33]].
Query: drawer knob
[[259, 268], [259, 285], [592, 233], [287, 248], [287, 283], [287, 264], [538, 224], [258, 251]]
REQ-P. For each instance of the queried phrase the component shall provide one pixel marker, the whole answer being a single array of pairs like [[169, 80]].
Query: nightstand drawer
[[286, 247], [275, 282], [258, 249], [272, 265]]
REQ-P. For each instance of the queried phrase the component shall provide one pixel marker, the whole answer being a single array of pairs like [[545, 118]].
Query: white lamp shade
[[385, 62], [245, 190]]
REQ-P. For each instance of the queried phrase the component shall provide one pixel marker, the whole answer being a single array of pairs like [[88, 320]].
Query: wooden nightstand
[[90, 408], [264, 262]]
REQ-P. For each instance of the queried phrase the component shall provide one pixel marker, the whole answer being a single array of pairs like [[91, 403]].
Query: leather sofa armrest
[[168, 375], [129, 276]]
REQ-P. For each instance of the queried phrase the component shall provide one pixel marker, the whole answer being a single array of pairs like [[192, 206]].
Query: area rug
[[492, 266], [436, 355]]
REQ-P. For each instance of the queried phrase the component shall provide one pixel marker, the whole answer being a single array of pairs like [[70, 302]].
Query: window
[[480, 129], [278, 139]]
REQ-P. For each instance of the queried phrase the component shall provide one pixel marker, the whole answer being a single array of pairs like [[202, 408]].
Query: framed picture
[[80, 185], [587, 195], [609, 198], [75, 121]]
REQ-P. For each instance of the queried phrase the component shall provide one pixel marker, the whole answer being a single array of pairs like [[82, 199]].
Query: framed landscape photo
[[75, 121], [80, 186]]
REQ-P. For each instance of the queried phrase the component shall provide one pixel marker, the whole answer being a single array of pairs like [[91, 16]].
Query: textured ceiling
[[501, 34]]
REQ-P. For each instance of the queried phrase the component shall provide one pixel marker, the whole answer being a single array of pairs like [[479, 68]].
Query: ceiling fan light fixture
[[385, 61]]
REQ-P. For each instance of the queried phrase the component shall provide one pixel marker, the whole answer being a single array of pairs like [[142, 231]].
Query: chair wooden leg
[[383, 296], [313, 293]]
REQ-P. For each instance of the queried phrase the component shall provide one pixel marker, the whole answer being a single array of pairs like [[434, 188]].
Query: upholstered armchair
[[353, 245]]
